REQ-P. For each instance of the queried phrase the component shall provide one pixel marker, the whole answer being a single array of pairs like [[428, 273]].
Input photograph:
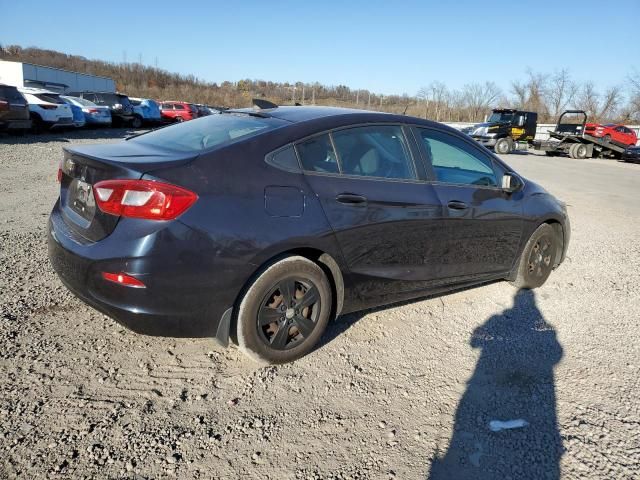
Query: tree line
[[546, 93]]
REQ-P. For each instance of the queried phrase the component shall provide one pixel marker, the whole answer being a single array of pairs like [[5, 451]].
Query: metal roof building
[[55, 79]]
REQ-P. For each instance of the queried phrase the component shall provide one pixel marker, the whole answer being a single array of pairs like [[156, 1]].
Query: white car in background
[[46, 108]]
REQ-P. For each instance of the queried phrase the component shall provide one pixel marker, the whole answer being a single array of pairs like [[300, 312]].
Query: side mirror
[[511, 183]]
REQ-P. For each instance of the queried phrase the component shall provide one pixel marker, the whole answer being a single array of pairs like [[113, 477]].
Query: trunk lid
[[83, 166]]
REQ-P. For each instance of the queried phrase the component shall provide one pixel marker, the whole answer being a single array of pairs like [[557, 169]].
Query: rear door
[[376, 200], [481, 226], [13, 105]]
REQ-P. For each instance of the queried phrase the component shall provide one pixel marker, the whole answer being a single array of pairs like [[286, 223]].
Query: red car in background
[[178, 111], [612, 132]]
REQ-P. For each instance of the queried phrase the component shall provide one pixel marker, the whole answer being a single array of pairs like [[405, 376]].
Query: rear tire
[[580, 151], [537, 259], [503, 146], [606, 138], [284, 312], [179, 119], [136, 122]]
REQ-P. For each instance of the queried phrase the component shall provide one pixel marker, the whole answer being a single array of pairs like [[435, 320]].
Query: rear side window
[[375, 151], [317, 154], [207, 132], [454, 161], [11, 95], [177, 106]]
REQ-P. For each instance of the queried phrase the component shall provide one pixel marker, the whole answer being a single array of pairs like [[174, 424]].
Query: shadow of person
[[513, 380]]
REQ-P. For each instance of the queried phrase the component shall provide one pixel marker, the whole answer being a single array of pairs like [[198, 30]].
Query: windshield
[[208, 132], [501, 117]]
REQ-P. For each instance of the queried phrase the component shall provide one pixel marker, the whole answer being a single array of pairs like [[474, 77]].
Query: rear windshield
[[207, 132], [49, 97], [81, 101]]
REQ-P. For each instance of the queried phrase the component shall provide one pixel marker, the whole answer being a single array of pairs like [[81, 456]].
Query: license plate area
[[82, 199]]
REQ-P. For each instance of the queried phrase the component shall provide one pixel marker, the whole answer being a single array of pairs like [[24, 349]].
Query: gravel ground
[[406, 391]]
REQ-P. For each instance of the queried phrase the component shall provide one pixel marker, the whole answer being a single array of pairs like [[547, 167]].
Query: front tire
[[503, 146], [537, 258], [284, 312]]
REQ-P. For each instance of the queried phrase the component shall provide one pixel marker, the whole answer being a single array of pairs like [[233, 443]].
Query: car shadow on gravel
[[513, 381]]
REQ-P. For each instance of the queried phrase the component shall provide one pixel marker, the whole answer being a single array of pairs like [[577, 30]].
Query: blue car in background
[[146, 111], [78, 115], [93, 114]]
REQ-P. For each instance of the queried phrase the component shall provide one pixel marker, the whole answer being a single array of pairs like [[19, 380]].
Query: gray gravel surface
[[406, 391]]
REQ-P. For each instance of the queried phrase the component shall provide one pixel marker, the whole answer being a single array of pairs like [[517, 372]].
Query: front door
[[382, 213], [481, 225]]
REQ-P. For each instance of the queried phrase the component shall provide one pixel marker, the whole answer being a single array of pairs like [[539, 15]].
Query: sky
[[388, 47]]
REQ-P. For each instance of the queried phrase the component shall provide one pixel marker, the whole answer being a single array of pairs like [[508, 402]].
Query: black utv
[[505, 129]]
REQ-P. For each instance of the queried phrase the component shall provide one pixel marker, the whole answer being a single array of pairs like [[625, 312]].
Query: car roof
[[37, 91], [302, 114]]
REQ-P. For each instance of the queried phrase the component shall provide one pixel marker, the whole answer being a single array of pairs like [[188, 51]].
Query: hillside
[[548, 94]]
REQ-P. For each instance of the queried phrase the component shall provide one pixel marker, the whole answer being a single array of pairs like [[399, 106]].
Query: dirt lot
[[406, 391]]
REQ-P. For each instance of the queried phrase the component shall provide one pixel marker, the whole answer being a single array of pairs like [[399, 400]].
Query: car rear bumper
[[98, 120], [183, 296], [15, 125]]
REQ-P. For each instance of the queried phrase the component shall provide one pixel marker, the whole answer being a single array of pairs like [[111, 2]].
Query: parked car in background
[[94, 115], [78, 114], [612, 132], [118, 103], [178, 111], [263, 225], [47, 109], [14, 110], [631, 154], [203, 110], [147, 110]]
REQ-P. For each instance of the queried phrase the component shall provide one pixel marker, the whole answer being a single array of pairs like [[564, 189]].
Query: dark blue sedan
[[261, 225]]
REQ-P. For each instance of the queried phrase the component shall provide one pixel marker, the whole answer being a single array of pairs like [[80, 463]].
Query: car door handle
[[456, 205], [351, 199]]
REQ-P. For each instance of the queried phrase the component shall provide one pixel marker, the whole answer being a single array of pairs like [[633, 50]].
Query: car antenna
[[263, 104]]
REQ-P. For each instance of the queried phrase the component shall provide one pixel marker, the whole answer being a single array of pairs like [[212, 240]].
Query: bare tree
[[479, 98], [561, 91], [589, 100], [609, 104]]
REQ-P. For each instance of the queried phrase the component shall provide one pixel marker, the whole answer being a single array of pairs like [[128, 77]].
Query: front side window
[[375, 151], [454, 161], [317, 155]]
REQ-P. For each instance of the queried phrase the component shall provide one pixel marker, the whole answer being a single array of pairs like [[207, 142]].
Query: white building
[[29, 75]]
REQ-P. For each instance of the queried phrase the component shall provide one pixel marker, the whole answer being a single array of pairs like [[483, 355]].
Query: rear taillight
[[4, 105], [60, 172], [123, 279], [93, 110], [142, 199]]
